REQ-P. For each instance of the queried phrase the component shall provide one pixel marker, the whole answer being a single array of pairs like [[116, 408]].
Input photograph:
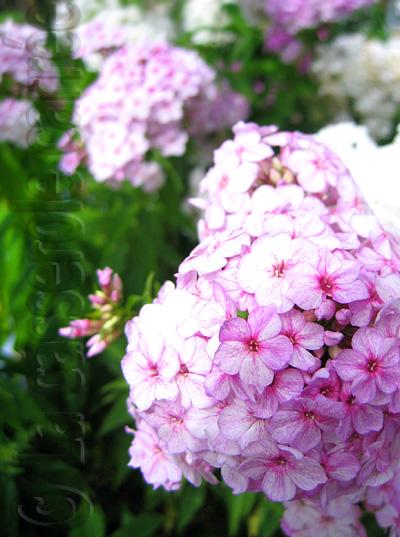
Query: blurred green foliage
[[63, 444]]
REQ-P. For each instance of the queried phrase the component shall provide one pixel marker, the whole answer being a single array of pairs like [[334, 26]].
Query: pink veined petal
[[364, 388], [243, 177], [388, 379], [234, 330], [234, 479], [307, 473], [312, 336], [288, 384], [256, 373], [276, 352], [264, 323], [143, 395], [277, 485], [293, 322], [309, 437], [343, 466], [230, 355], [302, 359], [350, 292], [349, 364], [367, 341], [274, 291], [367, 418], [268, 404], [285, 426], [304, 289], [253, 468], [251, 273], [348, 272]]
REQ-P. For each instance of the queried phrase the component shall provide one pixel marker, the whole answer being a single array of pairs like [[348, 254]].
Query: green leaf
[[238, 508], [270, 515], [144, 525], [91, 523], [116, 417], [191, 501]]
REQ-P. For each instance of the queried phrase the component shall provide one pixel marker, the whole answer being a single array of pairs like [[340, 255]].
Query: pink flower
[[287, 385], [150, 372], [171, 420], [305, 336], [282, 471], [315, 170], [300, 423], [240, 421], [372, 364], [253, 349], [267, 269], [330, 277], [147, 453], [358, 417]]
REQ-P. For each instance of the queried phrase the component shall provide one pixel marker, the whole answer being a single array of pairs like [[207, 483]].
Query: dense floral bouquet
[[275, 359]]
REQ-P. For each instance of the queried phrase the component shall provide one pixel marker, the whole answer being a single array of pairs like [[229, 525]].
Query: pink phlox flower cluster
[[147, 97], [275, 359], [297, 15], [292, 16], [17, 121], [103, 324], [26, 65], [99, 36], [24, 58]]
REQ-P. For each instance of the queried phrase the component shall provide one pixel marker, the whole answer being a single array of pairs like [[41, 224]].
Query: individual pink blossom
[[372, 364], [241, 422], [329, 277], [282, 471], [267, 269], [253, 348], [305, 336], [158, 467], [300, 423], [150, 373], [170, 419]]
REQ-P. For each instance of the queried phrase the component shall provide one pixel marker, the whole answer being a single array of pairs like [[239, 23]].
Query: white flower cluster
[[363, 75], [376, 169], [206, 20]]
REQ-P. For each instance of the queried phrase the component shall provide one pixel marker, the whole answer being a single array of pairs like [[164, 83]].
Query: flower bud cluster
[[103, 324], [275, 358]]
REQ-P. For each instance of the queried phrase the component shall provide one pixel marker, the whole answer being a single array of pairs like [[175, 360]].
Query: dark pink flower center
[[184, 370], [154, 370], [279, 270], [326, 285], [372, 366], [253, 345], [309, 415], [176, 420], [281, 461], [351, 400], [325, 391]]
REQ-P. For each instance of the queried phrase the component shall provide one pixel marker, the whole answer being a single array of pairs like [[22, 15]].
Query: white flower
[[376, 169], [363, 73]]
